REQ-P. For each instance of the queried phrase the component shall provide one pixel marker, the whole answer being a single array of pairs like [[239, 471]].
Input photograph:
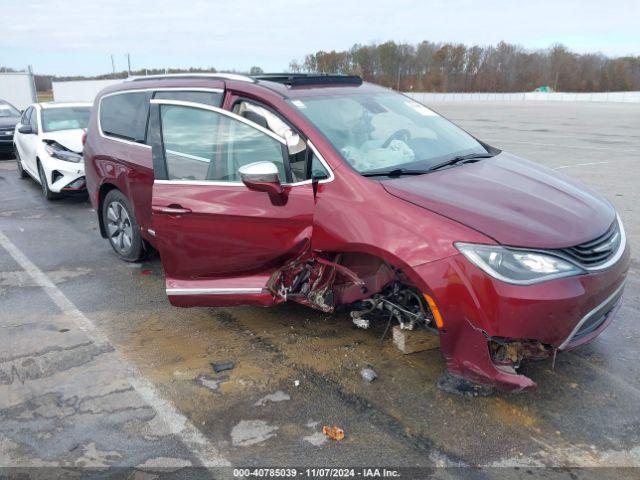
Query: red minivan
[[328, 191]]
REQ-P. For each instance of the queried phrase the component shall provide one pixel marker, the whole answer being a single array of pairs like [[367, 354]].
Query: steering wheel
[[402, 134]]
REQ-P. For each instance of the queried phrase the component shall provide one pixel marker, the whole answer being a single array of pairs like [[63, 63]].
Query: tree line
[[447, 67], [455, 67]]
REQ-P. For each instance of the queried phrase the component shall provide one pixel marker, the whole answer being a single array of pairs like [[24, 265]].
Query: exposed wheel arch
[[104, 189]]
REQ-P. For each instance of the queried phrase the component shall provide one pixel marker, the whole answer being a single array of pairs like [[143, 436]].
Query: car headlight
[[62, 153], [520, 267]]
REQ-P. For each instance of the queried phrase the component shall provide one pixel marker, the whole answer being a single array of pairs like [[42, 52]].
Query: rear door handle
[[170, 210]]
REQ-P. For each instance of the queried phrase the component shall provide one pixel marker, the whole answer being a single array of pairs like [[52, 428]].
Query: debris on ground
[[278, 396], [368, 374], [449, 383], [334, 433], [146, 271], [210, 382], [316, 439], [223, 366], [296, 383], [361, 323]]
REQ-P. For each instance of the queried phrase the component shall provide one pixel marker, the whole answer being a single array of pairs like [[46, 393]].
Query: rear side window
[[124, 115], [208, 98]]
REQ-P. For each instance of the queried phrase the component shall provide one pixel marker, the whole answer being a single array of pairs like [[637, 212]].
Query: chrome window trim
[[221, 111], [591, 314], [189, 156], [141, 90], [214, 291]]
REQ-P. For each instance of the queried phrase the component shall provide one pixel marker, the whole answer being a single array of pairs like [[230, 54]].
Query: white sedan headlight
[[61, 153], [520, 267]]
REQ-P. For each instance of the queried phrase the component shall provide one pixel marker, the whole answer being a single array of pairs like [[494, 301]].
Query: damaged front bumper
[[490, 327]]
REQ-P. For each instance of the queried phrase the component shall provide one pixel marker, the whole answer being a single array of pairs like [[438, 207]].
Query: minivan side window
[[303, 164], [205, 145], [208, 98], [124, 115]]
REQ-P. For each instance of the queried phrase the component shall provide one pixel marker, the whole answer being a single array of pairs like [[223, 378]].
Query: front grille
[[596, 251]]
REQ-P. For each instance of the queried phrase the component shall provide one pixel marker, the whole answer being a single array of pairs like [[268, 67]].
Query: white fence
[[79, 90], [618, 97], [18, 89]]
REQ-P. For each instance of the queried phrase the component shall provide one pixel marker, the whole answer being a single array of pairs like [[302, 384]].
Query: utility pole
[[129, 64], [113, 66]]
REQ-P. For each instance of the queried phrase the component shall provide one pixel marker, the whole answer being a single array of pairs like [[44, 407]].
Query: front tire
[[121, 226], [21, 172], [48, 194]]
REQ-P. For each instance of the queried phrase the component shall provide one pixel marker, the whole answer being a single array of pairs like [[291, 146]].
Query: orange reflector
[[434, 309]]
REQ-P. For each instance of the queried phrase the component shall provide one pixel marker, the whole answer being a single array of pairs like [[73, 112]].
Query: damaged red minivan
[[328, 191]]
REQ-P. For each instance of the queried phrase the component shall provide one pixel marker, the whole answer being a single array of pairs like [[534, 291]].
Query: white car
[[48, 146]]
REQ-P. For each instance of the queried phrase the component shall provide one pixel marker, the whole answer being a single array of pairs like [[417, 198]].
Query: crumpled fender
[[464, 345]]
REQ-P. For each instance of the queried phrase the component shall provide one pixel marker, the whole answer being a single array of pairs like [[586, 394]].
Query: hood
[[513, 201], [72, 139], [8, 122]]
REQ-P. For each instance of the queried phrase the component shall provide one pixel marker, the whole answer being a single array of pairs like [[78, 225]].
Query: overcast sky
[[77, 36]]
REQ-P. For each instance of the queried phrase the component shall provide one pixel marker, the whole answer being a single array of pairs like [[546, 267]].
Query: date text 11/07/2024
[[316, 472]]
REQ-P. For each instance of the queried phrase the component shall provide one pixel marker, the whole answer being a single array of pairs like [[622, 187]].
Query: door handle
[[170, 210]]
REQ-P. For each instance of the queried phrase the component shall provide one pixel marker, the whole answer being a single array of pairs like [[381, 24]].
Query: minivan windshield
[[386, 131], [65, 118]]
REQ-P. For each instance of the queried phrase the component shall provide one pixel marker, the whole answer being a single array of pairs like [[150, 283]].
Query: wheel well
[[104, 189]]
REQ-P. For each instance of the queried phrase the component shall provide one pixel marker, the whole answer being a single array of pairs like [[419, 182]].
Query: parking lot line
[[177, 423]]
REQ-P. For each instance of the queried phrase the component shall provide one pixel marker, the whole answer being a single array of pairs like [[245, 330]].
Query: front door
[[219, 241], [26, 142]]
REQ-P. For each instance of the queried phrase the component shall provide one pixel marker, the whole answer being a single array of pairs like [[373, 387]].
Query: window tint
[[204, 145], [298, 161], [25, 116], [208, 98], [33, 120], [317, 169], [124, 115]]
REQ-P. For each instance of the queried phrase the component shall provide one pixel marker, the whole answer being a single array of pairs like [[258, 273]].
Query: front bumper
[[6, 144], [478, 309], [64, 177]]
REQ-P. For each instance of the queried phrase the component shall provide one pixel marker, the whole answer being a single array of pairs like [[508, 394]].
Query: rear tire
[[21, 172], [48, 194], [123, 231]]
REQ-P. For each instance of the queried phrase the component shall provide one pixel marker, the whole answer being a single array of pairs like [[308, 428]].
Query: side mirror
[[262, 177], [26, 129]]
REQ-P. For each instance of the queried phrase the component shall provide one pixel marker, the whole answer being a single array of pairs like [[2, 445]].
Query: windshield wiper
[[472, 157], [396, 172]]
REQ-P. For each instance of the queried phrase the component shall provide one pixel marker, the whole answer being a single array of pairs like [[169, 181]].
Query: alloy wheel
[[119, 227]]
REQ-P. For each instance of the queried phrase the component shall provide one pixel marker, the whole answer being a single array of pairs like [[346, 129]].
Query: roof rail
[[169, 76], [296, 79]]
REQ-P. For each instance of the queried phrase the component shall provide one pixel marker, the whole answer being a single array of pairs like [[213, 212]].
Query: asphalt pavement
[[98, 370]]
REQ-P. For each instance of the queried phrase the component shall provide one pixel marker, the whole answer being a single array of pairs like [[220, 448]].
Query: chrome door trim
[[214, 291], [221, 111]]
